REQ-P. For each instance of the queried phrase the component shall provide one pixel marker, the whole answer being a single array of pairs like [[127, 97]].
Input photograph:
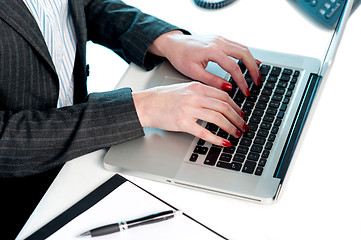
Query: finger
[[223, 115], [222, 96], [208, 136], [230, 66], [242, 53], [202, 75], [211, 92]]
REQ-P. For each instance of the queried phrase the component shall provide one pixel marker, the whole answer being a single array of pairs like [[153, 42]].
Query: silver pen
[[122, 226]]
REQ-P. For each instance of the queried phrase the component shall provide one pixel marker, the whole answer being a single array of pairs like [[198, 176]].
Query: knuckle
[[196, 87], [218, 117], [181, 123], [203, 133], [213, 47], [234, 67], [218, 38], [224, 106], [185, 103], [225, 97], [245, 48]]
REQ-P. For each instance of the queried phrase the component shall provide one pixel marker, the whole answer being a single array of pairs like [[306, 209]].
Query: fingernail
[[226, 87], [245, 127], [248, 93], [259, 80], [258, 62], [238, 133], [226, 143], [243, 115]]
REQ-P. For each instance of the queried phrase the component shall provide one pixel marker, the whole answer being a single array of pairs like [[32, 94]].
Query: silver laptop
[[255, 167]]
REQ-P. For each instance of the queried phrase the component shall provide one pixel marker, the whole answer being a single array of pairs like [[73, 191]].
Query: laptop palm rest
[[158, 153]]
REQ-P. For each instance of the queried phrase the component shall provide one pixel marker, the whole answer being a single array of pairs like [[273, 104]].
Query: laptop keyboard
[[265, 110]]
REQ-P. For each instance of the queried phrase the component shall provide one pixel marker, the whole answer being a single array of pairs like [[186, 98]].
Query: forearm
[[35, 141], [126, 30]]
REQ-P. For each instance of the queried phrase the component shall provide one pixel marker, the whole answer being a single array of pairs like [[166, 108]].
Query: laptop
[[255, 166]]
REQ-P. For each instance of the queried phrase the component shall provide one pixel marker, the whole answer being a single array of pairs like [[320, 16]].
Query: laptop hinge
[[297, 126]]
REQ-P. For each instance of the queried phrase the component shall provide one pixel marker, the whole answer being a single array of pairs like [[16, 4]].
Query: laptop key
[[239, 158], [264, 69], [287, 71], [272, 79], [212, 156], [260, 140], [265, 153], [232, 166], [242, 66], [256, 148], [212, 127], [193, 157], [200, 150], [262, 162], [249, 167], [225, 157], [269, 145], [242, 150], [253, 156], [234, 141], [229, 150], [285, 78], [258, 171], [275, 71], [265, 110]]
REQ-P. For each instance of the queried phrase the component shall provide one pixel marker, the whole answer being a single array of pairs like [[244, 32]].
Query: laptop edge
[[283, 164]]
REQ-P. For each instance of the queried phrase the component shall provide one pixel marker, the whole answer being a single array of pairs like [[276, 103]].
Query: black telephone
[[324, 11], [213, 4]]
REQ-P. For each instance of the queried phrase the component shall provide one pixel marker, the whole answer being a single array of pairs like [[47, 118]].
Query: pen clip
[[153, 218]]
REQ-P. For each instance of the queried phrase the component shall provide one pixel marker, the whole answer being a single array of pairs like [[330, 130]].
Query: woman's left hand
[[190, 55]]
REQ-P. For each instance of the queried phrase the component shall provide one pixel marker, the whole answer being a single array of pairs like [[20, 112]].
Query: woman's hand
[[190, 55], [178, 107]]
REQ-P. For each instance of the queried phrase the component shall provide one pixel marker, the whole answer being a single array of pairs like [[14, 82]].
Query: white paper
[[129, 202]]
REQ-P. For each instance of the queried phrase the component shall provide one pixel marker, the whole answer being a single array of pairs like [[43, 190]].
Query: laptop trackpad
[[166, 74], [158, 153]]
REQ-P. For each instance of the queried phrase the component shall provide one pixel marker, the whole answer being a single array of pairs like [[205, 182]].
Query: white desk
[[322, 197]]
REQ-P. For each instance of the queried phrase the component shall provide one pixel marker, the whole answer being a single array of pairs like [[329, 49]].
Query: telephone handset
[[209, 4], [325, 11]]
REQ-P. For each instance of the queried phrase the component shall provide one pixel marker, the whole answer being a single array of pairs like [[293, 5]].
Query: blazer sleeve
[[35, 141], [35, 136], [126, 30]]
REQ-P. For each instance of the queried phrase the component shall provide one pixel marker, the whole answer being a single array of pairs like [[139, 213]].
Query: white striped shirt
[[56, 25]]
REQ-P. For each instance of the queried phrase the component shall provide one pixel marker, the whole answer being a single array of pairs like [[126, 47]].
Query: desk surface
[[322, 198]]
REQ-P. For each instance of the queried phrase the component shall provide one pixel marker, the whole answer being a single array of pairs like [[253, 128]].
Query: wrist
[[163, 43], [139, 98]]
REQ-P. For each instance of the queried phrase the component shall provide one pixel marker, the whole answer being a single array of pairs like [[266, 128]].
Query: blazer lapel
[[77, 11], [17, 15]]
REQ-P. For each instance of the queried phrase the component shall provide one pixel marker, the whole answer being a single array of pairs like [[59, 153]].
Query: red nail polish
[[245, 128], [258, 62], [238, 133], [259, 80], [226, 143], [243, 115], [226, 87], [248, 93]]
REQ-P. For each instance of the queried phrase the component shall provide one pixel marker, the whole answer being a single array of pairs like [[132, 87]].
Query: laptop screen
[[336, 37]]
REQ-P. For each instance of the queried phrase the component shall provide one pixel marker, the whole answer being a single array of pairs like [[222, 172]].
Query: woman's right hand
[[178, 107]]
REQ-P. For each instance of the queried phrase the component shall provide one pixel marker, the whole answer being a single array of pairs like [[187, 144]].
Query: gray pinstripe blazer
[[36, 136]]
